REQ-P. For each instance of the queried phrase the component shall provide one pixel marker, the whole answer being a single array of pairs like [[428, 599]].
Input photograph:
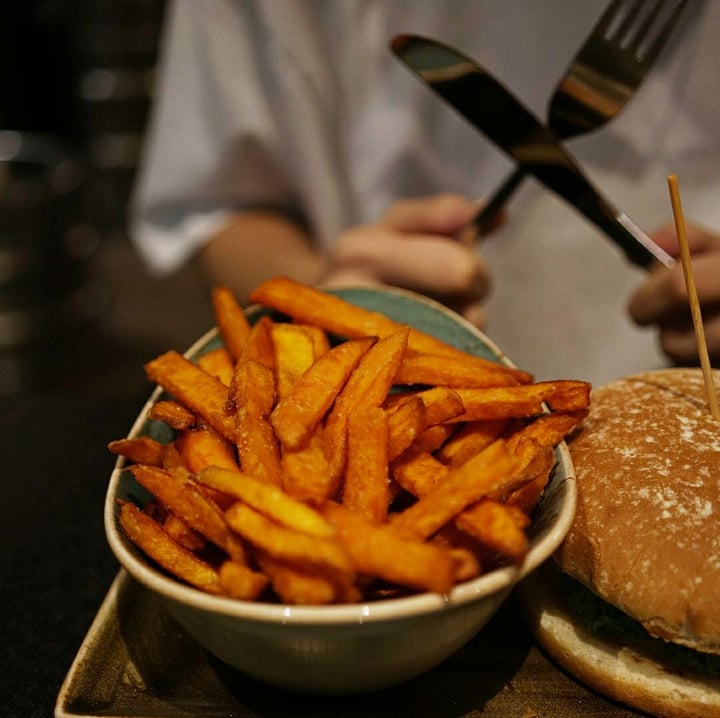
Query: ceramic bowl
[[353, 648]]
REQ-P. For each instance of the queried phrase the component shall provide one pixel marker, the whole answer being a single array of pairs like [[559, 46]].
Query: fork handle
[[484, 221]]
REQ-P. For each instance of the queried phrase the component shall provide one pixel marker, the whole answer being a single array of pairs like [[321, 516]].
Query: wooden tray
[[137, 661]]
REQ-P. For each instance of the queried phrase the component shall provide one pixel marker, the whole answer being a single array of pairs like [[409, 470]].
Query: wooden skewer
[[693, 297]]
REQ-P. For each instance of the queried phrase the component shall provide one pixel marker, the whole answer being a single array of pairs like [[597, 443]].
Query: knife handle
[[487, 218]]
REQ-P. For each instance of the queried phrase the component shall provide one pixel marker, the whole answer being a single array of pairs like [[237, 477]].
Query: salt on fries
[[329, 454]]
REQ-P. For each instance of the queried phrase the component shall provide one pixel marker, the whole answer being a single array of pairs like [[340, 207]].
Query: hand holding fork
[[600, 80]]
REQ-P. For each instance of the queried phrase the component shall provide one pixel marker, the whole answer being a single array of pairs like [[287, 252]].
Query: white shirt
[[300, 104]]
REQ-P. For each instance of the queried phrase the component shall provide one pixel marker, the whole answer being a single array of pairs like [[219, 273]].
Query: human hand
[[412, 246], [663, 299]]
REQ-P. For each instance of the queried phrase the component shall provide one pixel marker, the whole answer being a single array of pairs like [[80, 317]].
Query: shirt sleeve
[[213, 143]]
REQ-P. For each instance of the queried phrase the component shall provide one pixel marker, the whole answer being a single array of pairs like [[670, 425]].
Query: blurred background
[[78, 311]]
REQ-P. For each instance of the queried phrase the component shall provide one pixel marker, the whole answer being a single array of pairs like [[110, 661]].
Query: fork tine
[[657, 44], [640, 34], [628, 21], [607, 18]]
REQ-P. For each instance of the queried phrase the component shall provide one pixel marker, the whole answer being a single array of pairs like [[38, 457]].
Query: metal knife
[[495, 111]]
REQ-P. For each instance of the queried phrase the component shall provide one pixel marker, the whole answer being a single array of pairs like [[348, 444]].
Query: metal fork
[[598, 83]]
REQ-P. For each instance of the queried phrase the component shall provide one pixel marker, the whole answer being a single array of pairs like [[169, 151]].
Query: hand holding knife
[[492, 109]]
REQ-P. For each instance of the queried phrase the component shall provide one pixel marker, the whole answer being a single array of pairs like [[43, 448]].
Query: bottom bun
[[633, 671]]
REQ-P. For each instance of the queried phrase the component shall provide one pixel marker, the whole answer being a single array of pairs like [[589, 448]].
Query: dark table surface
[[56, 566], [57, 569]]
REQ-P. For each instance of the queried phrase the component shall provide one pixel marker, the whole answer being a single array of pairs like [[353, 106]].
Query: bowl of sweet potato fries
[[333, 490]]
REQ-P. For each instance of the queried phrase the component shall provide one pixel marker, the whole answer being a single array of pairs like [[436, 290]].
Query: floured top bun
[[646, 536]]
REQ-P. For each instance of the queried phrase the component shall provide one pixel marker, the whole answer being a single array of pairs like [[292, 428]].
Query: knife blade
[[477, 96]]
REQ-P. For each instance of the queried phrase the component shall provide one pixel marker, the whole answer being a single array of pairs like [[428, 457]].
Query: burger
[[630, 603]]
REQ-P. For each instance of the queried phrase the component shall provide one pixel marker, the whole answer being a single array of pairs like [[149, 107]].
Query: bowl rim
[[486, 585]]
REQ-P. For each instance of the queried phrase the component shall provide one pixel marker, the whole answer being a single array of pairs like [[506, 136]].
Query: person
[[287, 139]]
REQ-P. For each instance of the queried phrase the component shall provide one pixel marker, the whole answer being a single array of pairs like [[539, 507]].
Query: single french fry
[[268, 500], [298, 414], [254, 386], [298, 586], [192, 506], [232, 322], [485, 474], [368, 386], [257, 445], [218, 363], [309, 305], [468, 563], [260, 350], [534, 458], [570, 396], [147, 535], [406, 421], [294, 354], [289, 546], [206, 520], [305, 471], [378, 550], [549, 429], [175, 415], [365, 488], [534, 452], [434, 437], [457, 371], [523, 401], [442, 403], [241, 582], [527, 497], [470, 438], [338, 316], [320, 340], [500, 403], [193, 450], [186, 536], [463, 548], [139, 450], [195, 388], [172, 460], [203, 447], [497, 526], [259, 345], [418, 471]]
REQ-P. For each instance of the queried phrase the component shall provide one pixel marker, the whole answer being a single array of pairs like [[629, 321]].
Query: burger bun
[[645, 539]]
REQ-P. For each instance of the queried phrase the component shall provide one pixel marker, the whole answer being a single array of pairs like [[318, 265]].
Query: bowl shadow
[[464, 682], [171, 668]]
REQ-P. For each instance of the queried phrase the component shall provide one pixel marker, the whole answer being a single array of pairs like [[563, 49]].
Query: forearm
[[256, 245], [404, 248]]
